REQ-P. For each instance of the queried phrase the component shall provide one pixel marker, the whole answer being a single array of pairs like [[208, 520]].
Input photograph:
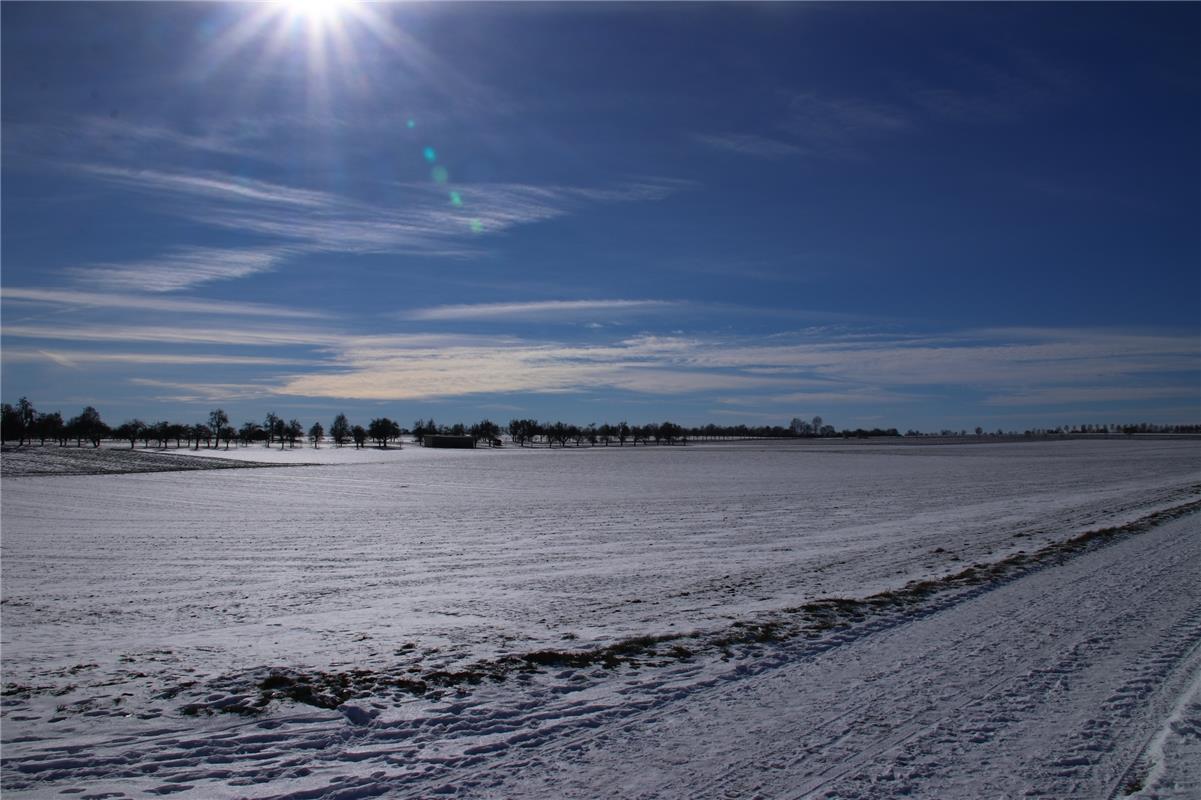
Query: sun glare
[[314, 11], [319, 42]]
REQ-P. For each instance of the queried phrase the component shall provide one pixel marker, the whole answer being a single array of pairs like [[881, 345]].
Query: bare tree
[[218, 419], [202, 432], [315, 434], [50, 426], [10, 422], [340, 430], [524, 430], [130, 430], [271, 424], [248, 433], [669, 433], [383, 430], [292, 432], [557, 432], [88, 425], [27, 416], [487, 430]]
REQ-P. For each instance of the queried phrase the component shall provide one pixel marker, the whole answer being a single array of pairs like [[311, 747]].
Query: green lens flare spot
[[411, 124], [430, 154], [440, 174], [455, 199], [477, 226]]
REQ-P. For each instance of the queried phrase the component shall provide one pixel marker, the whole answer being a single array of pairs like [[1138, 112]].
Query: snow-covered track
[[1046, 686]]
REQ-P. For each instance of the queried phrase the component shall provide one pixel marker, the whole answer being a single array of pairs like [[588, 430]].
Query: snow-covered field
[[667, 622]]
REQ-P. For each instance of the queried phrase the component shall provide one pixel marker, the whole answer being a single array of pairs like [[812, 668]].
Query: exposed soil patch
[[28, 461]]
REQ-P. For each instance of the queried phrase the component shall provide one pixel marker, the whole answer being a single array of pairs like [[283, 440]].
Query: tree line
[[25, 424]]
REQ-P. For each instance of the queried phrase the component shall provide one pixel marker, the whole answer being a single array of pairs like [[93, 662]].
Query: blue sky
[[931, 216]]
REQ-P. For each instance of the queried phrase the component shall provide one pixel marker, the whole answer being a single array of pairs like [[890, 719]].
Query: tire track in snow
[[1084, 755], [1001, 699], [564, 730]]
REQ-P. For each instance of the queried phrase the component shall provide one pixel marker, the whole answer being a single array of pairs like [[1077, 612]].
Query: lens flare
[[328, 36]]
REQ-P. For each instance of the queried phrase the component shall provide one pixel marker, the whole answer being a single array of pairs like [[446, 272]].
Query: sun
[[315, 12], [318, 42]]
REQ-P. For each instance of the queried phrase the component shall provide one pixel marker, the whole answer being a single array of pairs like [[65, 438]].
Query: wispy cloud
[[750, 144], [125, 135], [423, 218], [57, 138], [538, 310], [818, 367], [174, 334], [415, 218], [842, 127], [419, 218], [846, 395], [486, 367], [134, 302], [806, 369], [1075, 395], [177, 392], [980, 359], [216, 185], [182, 269], [824, 118], [633, 190], [82, 358], [980, 90], [819, 127]]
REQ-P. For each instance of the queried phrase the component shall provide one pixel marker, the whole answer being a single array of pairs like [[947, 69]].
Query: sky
[[930, 216]]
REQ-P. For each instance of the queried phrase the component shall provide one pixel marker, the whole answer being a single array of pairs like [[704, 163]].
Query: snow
[[1035, 689], [1174, 753], [400, 595]]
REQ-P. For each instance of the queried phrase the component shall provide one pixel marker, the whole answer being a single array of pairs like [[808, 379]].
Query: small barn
[[446, 440]]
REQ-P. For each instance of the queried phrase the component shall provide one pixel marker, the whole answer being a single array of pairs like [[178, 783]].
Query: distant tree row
[[485, 430], [25, 424], [1089, 429], [525, 432]]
